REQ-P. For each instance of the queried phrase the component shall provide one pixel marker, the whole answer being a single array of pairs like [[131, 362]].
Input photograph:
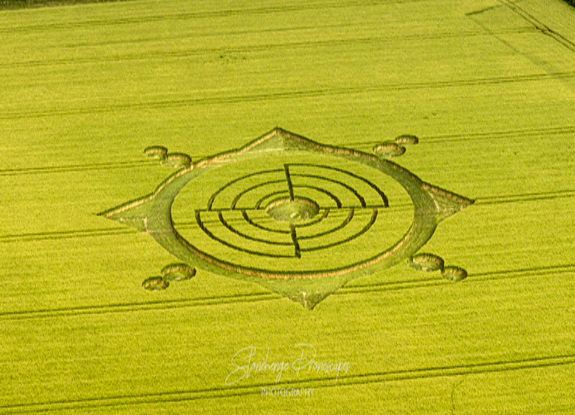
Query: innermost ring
[[292, 211]]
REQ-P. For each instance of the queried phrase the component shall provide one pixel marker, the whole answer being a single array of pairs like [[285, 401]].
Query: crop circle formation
[[304, 216], [295, 216]]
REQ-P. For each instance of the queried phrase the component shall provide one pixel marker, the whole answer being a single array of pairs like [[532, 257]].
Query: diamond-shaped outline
[[152, 214]]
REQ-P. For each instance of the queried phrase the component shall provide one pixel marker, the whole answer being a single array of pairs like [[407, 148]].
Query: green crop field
[[23, 4], [288, 207]]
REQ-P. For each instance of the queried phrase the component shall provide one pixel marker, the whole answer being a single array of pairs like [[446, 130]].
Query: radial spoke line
[[295, 241], [259, 209], [289, 183]]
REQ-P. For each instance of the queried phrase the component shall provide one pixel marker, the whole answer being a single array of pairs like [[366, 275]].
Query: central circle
[[292, 211]]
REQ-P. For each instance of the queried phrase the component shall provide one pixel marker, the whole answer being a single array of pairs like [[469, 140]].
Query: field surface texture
[[229, 207], [24, 4]]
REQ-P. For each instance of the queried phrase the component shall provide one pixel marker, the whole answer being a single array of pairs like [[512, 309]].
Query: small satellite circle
[[296, 216]]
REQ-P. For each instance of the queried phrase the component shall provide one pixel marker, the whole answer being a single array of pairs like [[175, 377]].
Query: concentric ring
[[292, 215], [219, 206]]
